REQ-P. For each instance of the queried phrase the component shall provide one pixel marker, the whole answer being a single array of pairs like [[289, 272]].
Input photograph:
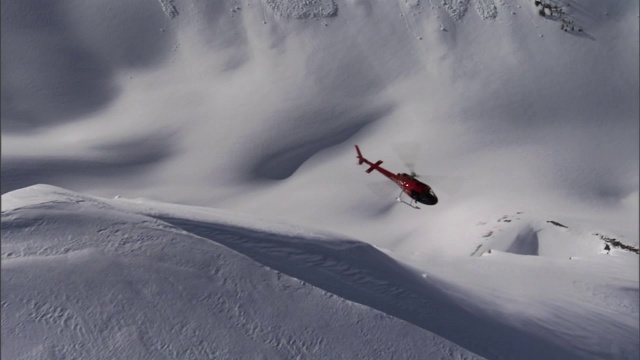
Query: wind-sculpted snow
[[254, 107], [456, 8], [60, 61], [486, 9], [523, 234], [100, 161], [169, 8], [303, 9], [281, 157], [247, 94], [101, 278], [82, 279], [358, 272]]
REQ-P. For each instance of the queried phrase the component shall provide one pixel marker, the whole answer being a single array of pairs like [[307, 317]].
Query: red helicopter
[[418, 191]]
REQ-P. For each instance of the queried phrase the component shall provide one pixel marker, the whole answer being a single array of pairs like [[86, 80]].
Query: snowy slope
[[528, 134], [84, 279], [255, 106], [103, 278]]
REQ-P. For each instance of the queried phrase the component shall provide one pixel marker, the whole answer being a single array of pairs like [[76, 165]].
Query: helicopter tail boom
[[372, 166], [360, 157]]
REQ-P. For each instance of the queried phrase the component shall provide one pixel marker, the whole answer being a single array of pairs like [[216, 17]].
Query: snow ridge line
[[169, 8], [618, 244], [358, 272]]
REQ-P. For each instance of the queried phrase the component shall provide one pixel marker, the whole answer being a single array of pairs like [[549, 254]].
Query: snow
[[245, 112], [97, 277], [169, 8], [114, 283], [456, 8], [307, 9], [486, 9]]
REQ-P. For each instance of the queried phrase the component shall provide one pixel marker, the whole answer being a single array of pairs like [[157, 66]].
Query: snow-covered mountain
[[85, 277], [522, 115], [115, 282]]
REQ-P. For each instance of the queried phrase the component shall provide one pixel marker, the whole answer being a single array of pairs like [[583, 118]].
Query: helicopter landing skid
[[411, 203]]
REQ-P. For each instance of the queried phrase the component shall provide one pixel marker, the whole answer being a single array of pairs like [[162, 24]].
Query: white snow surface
[[85, 277], [245, 112], [115, 282]]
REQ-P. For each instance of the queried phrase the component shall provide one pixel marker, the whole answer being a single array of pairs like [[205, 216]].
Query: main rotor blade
[[408, 153]]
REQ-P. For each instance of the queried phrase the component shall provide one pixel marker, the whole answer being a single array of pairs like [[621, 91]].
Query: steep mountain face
[[173, 99], [522, 115], [254, 106]]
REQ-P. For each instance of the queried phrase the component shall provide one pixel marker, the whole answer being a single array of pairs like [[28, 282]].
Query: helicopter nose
[[429, 199]]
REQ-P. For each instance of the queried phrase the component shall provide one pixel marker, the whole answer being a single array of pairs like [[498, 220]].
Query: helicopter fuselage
[[414, 188]]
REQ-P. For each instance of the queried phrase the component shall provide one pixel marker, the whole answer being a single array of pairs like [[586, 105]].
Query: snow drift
[[102, 278], [84, 279], [253, 106]]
